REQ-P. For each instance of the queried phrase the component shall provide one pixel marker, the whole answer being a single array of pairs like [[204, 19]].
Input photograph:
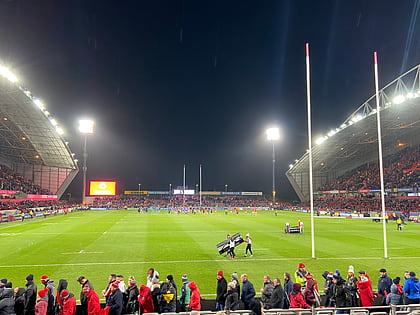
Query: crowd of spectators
[[299, 289], [9, 180], [400, 170], [364, 204]]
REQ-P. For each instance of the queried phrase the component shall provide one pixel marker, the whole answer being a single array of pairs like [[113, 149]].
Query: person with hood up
[[19, 301], [393, 297], [152, 275], [41, 306], [412, 289], [364, 284], [309, 292], [7, 303], [296, 297], [195, 300], [231, 297], [115, 300], [339, 293], [132, 296], [30, 295], [62, 285], [145, 300], [93, 304], [68, 306]]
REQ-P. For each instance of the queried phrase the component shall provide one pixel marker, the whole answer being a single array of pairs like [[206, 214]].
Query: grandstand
[[355, 143], [31, 140]]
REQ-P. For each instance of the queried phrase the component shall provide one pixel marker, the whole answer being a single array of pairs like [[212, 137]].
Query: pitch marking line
[[82, 252], [196, 261]]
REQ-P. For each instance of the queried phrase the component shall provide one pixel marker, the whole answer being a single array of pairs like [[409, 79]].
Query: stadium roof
[[355, 142], [28, 133]]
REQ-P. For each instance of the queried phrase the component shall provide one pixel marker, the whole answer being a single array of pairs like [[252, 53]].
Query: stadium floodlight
[[290, 165], [398, 99], [53, 122], [86, 128], [59, 130], [410, 95], [8, 74], [357, 118], [273, 135], [321, 140], [39, 104]]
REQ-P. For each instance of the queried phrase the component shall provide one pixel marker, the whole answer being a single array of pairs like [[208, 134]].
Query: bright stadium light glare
[[39, 103], [59, 130], [8, 74], [290, 165], [343, 126], [320, 140], [47, 113], [357, 118], [398, 99], [331, 133], [53, 122], [410, 95], [86, 126], [273, 134]]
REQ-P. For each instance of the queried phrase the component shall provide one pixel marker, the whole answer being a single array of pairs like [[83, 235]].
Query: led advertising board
[[102, 188]]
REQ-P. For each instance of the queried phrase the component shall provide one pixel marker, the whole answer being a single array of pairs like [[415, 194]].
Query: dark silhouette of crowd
[[10, 180]]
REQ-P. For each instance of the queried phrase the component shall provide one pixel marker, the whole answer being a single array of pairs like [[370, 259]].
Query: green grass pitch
[[97, 243]]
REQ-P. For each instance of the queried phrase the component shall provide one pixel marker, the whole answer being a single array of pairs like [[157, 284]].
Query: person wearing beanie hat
[[115, 300], [235, 279], [352, 288], [41, 306], [232, 299], [68, 301], [310, 294], [339, 295], [30, 295], [384, 285], [3, 282], [132, 294], [300, 274], [412, 289], [395, 296], [221, 291], [184, 300]]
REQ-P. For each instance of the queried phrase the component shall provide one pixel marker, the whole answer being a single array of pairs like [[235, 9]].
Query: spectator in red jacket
[[145, 300], [195, 300], [93, 304], [364, 284], [41, 306], [69, 303], [296, 297]]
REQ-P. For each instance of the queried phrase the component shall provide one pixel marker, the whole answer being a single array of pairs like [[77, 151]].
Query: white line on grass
[[197, 261], [81, 252]]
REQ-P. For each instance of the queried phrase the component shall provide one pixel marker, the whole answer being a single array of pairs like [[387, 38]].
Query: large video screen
[[102, 188]]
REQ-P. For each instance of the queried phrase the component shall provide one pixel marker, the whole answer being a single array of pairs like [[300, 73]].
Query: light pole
[[86, 128], [226, 187], [273, 135], [139, 188], [170, 189]]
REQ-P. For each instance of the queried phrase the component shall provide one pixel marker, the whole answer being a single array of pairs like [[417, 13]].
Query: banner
[[251, 193]]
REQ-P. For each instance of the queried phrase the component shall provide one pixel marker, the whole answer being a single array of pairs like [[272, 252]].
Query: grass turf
[[97, 243]]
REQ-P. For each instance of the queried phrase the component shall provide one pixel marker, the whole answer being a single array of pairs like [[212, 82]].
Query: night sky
[[198, 82]]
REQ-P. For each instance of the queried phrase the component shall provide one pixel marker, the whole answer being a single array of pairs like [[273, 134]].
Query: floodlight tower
[[273, 135], [85, 128]]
